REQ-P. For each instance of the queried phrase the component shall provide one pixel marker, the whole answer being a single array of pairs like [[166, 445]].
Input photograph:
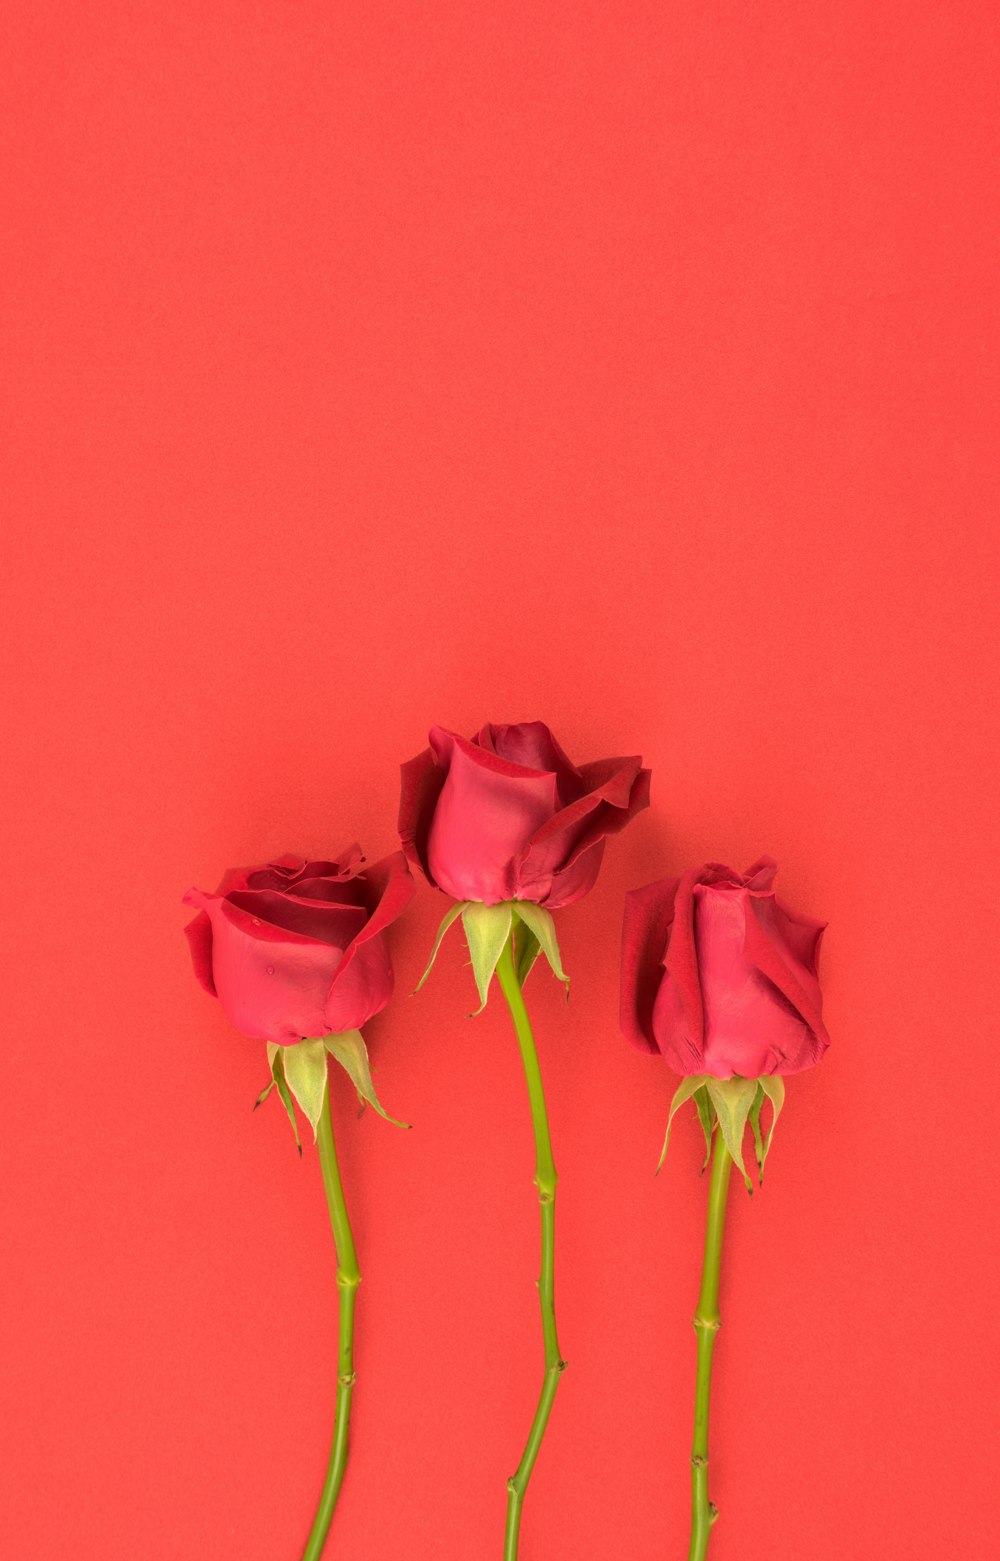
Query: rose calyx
[[730, 1106], [487, 928], [300, 1074]]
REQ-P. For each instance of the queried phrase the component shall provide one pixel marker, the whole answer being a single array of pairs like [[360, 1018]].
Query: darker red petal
[[199, 936], [649, 913], [421, 780]]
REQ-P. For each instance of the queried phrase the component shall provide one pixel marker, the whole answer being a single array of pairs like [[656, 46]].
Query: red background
[[628, 366]]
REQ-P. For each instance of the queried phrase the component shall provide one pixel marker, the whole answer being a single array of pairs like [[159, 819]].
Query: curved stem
[[545, 1181], [706, 1323], [348, 1279]]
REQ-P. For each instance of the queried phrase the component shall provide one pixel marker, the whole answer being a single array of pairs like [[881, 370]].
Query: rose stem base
[[545, 1181], [348, 1279], [706, 1323]]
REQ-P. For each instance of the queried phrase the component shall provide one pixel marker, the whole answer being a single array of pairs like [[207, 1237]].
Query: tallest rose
[[505, 815], [508, 826]]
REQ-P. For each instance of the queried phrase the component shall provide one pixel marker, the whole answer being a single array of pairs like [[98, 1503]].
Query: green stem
[[706, 1323], [545, 1181], [348, 1279]]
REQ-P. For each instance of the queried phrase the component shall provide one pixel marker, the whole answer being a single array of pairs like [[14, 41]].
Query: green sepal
[[449, 917], [263, 1095], [732, 1099], [350, 1051], [539, 922], [759, 1147], [730, 1104], [306, 1073], [527, 949], [685, 1090], [773, 1086], [487, 928], [275, 1057], [707, 1118]]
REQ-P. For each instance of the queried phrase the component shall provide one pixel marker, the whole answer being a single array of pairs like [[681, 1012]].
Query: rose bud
[[506, 815], [296, 949], [720, 977]]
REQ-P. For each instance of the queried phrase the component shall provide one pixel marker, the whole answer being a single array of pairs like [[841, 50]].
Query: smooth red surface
[[631, 367]]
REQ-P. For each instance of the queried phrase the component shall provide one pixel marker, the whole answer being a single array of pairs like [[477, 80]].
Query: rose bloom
[[506, 815], [297, 949], [720, 977]]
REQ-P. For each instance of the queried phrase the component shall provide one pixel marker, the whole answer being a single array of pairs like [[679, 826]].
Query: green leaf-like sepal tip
[[730, 1105], [306, 1075], [526, 950], [542, 929], [706, 1116], [487, 928], [773, 1086], [275, 1057], [686, 1089], [732, 1099], [449, 917], [301, 1076], [350, 1051]]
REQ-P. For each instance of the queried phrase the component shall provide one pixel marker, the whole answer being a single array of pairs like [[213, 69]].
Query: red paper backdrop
[[629, 366]]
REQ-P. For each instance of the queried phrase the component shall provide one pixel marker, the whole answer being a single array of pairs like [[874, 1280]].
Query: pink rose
[[506, 816], [297, 949], [720, 977]]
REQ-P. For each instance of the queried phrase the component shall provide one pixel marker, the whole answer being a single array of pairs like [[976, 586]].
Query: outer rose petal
[[199, 936], [791, 985], [272, 984], [486, 814], [359, 989], [362, 984], [567, 842], [571, 884], [649, 914], [421, 780], [680, 992]]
